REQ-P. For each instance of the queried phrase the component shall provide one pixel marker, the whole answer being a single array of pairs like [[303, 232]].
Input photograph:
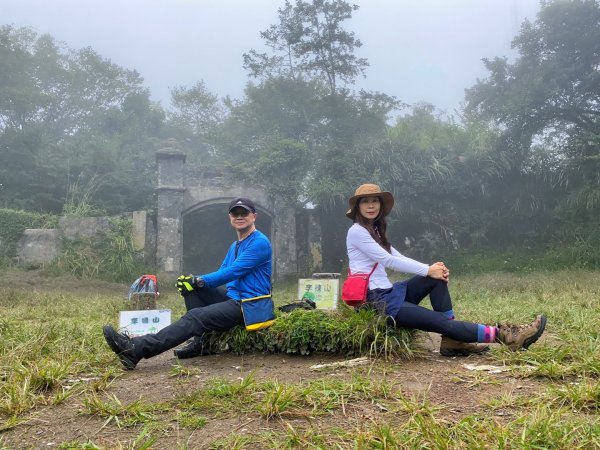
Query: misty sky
[[418, 50]]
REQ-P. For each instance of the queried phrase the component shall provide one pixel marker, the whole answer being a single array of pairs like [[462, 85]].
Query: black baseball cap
[[242, 202]]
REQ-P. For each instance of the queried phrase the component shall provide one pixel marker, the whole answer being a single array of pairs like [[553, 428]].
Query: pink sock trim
[[489, 334]]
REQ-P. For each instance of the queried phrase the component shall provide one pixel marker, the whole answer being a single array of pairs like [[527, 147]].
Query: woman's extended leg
[[415, 316]]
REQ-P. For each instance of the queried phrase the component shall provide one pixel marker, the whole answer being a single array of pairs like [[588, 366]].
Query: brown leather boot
[[452, 347], [518, 337]]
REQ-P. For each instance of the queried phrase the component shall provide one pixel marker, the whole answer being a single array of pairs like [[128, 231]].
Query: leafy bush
[[12, 225], [303, 332]]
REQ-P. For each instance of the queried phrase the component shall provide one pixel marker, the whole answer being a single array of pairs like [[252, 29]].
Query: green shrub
[[305, 331], [12, 225]]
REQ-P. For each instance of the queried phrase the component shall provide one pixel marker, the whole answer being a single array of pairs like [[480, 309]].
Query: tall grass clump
[[79, 201]]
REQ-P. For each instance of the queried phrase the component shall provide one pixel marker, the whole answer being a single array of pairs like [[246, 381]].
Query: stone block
[[38, 246]]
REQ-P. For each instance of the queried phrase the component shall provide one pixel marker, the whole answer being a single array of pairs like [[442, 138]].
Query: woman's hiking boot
[[122, 345], [452, 347], [518, 337]]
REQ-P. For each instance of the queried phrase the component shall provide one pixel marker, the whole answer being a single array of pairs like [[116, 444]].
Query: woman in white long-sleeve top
[[369, 250]]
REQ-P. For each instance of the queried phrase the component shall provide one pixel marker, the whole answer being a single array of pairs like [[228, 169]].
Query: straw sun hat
[[370, 190]]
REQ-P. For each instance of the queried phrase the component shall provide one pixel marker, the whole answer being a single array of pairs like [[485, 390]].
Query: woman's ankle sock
[[486, 333]]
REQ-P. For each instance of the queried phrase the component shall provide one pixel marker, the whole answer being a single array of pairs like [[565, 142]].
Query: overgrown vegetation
[[52, 352], [109, 256]]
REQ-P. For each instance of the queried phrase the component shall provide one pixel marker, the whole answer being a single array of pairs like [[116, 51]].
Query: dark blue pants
[[412, 315], [208, 309]]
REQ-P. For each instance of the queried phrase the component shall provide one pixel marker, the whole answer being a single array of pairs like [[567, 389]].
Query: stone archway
[[186, 191]]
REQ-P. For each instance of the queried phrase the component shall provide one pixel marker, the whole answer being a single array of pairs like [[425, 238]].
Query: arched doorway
[[207, 234]]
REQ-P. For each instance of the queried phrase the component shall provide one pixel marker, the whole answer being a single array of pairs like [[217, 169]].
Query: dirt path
[[445, 382]]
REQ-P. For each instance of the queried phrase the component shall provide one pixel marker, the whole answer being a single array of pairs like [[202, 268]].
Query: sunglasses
[[239, 213]]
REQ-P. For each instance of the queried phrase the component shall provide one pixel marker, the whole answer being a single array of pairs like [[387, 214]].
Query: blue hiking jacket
[[246, 269]]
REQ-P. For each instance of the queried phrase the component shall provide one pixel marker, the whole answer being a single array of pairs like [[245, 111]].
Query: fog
[[477, 161], [426, 50]]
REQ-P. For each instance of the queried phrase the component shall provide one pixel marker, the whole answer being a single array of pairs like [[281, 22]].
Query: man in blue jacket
[[213, 300]]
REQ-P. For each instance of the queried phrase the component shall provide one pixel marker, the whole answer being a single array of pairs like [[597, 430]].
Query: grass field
[[62, 388]]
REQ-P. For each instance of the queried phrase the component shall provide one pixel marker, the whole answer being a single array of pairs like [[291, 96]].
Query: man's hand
[[187, 283]]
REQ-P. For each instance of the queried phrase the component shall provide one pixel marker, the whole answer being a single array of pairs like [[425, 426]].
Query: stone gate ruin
[[191, 232], [200, 196]]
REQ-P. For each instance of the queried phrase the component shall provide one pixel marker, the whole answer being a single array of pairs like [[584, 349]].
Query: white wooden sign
[[138, 323]]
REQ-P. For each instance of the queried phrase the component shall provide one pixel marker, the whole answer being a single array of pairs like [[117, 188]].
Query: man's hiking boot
[[122, 345], [518, 337], [197, 346], [452, 347]]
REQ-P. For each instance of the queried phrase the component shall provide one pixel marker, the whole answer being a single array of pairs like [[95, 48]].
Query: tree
[[193, 121], [271, 136], [550, 98], [309, 41], [68, 116], [195, 109]]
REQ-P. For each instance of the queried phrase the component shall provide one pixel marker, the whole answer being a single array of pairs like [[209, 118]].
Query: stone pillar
[[170, 190], [139, 230], [315, 246], [285, 261]]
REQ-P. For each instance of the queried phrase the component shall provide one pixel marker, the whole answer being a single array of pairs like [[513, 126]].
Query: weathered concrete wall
[[38, 246], [43, 246], [207, 183], [285, 258], [150, 240], [83, 227], [315, 243]]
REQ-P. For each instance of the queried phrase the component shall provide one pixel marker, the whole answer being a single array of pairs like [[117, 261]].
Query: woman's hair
[[377, 229]]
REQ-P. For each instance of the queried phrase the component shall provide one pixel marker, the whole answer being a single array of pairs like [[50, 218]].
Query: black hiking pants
[[208, 309]]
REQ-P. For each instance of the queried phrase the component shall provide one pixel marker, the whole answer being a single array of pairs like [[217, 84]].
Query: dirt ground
[[445, 382]]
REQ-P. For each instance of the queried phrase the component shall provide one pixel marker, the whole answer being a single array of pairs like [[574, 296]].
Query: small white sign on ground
[[137, 323]]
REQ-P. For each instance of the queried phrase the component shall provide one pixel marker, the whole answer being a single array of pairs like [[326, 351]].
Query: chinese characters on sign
[[324, 292], [145, 321]]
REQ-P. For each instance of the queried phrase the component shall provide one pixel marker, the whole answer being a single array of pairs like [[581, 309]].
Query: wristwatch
[[198, 282]]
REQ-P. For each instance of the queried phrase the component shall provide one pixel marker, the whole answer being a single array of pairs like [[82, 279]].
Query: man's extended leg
[[220, 316], [217, 317]]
